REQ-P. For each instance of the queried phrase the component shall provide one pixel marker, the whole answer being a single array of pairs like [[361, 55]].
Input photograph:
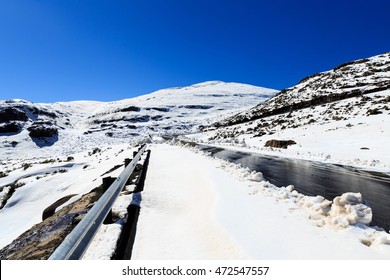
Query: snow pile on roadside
[[348, 209], [345, 210]]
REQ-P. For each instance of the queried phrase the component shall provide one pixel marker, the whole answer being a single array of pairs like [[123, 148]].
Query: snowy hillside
[[351, 79], [32, 130], [176, 110], [338, 116]]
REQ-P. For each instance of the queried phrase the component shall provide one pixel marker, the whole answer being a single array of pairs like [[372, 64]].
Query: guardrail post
[[126, 242], [107, 182], [141, 179], [127, 161]]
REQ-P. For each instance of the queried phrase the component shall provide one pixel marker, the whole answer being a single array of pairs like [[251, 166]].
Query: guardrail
[[75, 244]]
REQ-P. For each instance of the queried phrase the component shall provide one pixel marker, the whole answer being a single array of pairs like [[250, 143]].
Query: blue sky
[[61, 50]]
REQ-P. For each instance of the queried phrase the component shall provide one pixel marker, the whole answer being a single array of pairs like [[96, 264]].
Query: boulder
[[279, 143]]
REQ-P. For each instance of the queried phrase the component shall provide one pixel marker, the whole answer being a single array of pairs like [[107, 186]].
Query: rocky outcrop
[[11, 127], [12, 114], [42, 131], [130, 109]]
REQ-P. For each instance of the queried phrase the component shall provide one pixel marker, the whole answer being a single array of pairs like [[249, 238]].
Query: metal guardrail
[[75, 244]]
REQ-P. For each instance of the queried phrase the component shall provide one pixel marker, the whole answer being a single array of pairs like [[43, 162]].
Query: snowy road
[[176, 219], [194, 207]]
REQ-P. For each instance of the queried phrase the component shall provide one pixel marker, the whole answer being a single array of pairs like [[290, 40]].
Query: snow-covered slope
[[32, 130], [341, 115], [351, 79]]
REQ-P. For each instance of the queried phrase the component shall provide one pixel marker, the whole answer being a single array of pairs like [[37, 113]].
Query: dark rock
[[366, 98], [136, 119], [11, 127], [199, 107], [283, 144], [160, 109], [12, 114], [374, 111], [45, 113], [130, 109], [42, 131], [157, 118]]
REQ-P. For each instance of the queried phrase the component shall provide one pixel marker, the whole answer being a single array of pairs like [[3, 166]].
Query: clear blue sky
[[61, 50]]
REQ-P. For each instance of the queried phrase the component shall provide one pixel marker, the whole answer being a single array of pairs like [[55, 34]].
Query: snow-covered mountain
[[339, 115], [29, 129], [177, 110]]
